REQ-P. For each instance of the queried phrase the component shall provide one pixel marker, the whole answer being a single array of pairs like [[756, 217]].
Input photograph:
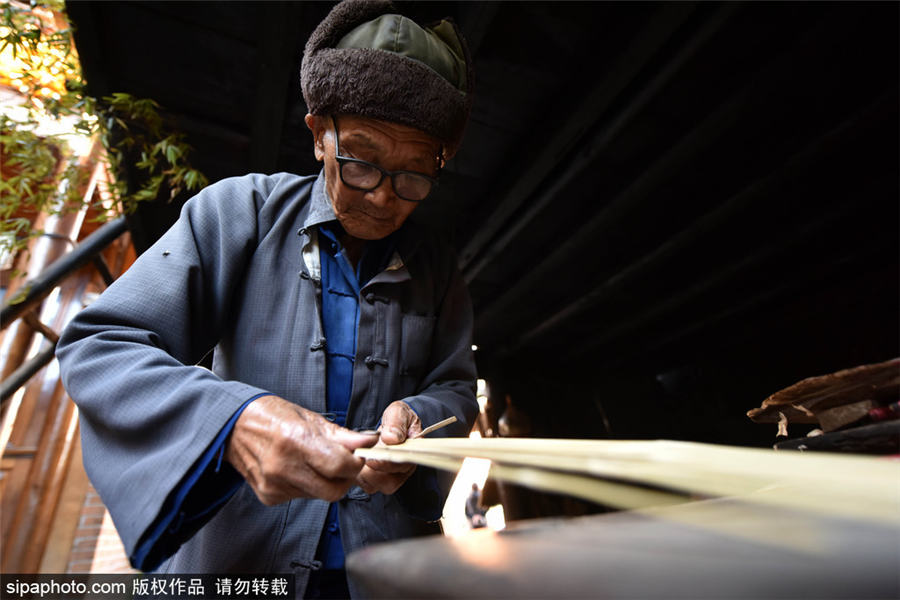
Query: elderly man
[[329, 316]]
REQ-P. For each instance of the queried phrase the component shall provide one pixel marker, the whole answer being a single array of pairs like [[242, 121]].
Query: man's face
[[375, 214]]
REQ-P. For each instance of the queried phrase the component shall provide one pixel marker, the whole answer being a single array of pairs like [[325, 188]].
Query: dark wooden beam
[[511, 214], [280, 45], [724, 325], [803, 163], [638, 196], [475, 20], [88, 38]]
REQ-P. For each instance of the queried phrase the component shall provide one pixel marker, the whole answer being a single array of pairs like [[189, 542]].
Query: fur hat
[[363, 59]]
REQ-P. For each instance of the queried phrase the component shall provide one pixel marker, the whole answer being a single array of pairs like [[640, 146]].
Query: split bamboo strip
[[435, 427], [837, 485], [610, 493]]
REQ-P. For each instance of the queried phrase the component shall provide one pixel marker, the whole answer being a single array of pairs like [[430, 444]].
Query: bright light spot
[[496, 519], [35, 347], [482, 402], [474, 348], [475, 435], [454, 521], [12, 410], [52, 373], [40, 69], [63, 127], [51, 305]]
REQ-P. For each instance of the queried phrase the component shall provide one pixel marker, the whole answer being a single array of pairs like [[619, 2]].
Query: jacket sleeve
[[448, 385], [147, 413], [447, 389]]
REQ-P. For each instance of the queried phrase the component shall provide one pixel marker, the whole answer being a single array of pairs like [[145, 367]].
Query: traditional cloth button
[[371, 361], [372, 298], [312, 565]]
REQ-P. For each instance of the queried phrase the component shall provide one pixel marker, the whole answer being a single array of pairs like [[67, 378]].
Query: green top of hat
[[437, 46]]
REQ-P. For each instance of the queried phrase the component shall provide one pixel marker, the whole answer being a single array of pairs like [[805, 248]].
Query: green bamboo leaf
[[172, 154]]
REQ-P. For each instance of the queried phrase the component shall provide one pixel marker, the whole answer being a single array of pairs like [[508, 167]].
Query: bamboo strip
[[610, 493], [766, 465], [435, 427], [848, 486]]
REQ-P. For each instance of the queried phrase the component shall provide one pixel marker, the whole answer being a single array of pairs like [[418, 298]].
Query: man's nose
[[383, 194]]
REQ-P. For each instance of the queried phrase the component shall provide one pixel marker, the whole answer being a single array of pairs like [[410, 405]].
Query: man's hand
[[398, 422], [285, 451]]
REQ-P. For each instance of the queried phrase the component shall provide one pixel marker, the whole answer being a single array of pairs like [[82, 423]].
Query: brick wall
[[96, 547]]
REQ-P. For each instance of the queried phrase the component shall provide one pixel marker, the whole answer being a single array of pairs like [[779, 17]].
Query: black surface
[[874, 438], [716, 550]]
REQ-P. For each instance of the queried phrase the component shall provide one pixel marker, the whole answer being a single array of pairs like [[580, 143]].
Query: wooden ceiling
[[665, 211]]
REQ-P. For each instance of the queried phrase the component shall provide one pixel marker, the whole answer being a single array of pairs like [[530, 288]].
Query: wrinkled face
[[375, 214]]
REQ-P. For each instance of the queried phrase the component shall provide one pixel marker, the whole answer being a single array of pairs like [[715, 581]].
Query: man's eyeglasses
[[365, 176]]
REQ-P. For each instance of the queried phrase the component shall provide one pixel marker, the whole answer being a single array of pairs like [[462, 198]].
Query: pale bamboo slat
[[848, 486]]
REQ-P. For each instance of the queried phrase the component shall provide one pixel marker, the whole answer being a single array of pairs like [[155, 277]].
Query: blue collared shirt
[[341, 286]]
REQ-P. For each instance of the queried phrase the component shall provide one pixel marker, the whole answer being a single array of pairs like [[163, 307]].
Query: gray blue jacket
[[239, 273]]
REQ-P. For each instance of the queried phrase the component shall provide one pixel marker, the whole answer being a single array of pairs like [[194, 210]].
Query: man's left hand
[[398, 423]]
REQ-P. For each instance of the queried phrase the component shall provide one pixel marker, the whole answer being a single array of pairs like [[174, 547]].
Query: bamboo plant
[[39, 171]]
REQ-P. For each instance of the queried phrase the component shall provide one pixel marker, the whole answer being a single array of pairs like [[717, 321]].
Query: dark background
[[665, 211]]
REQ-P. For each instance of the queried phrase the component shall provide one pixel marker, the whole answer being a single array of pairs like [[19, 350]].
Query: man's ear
[[316, 125]]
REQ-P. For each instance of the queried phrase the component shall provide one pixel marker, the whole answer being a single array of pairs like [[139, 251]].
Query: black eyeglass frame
[[342, 160]]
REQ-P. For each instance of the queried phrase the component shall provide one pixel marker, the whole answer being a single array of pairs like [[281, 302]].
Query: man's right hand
[[285, 451]]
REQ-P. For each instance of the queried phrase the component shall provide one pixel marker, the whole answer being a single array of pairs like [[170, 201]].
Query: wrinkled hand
[[398, 422], [285, 451]]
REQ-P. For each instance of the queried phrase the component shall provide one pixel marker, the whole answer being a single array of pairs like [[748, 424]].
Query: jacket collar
[[320, 210]]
